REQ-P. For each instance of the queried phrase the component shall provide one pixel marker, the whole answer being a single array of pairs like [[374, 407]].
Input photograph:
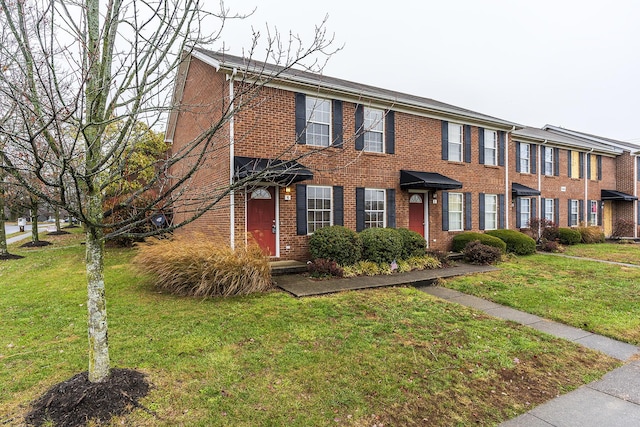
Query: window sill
[[373, 153], [493, 166]]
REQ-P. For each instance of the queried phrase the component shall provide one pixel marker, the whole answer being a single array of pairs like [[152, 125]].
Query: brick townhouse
[[334, 152]]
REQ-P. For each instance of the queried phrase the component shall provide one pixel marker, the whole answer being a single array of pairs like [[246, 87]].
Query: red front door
[[261, 218], [416, 213]]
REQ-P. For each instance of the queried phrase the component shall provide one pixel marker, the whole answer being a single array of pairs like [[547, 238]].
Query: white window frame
[[525, 157], [548, 161], [490, 147], [322, 194], [375, 217], [374, 130], [574, 212], [455, 128], [549, 210], [593, 213], [456, 216], [525, 214], [491, 216], [318, 114]]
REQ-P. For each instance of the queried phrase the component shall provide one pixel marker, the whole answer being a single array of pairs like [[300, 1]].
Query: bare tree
[[81, 66]]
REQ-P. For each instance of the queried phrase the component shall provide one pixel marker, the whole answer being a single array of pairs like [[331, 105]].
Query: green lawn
[[387, 356], [625, 253], [594, 296]]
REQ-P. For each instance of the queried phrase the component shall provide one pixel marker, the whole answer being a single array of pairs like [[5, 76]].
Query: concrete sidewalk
[[612, 401], [18, 238]]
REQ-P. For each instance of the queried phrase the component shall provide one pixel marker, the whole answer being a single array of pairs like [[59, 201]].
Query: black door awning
[[427, 181], [520, 190], [282, 172], [617, 195]]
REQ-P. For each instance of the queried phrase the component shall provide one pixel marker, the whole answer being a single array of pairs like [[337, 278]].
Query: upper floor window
[[318, 128], [456, 218], [490, 147], [490, 211], [454, 147], [525, 158], [548, 161], [525, 212], [374, 208], [574, 164], [549, 210], [319, 209], [573, 213], [374, 130], [593, 167]]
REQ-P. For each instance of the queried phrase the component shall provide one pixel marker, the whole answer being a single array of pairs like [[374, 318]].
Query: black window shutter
[[580, 211], [481, 148], [501, 144], [543, 207], [301, 119], [638, 214], [637, 166], [467, 211], [534, 210], [599, 161], [337, 124], [481, 209], [569, 163], [338, 205], [391, 208], [359, 127], [467, 143], [517, 157], [445, 141], [556, 211], [556, 162], [445, 211], [301, 209], [589, 172], [501, 209], [534, 158], [390, 132], [569, 212], [359, 209], [581, 165], [518, 207]]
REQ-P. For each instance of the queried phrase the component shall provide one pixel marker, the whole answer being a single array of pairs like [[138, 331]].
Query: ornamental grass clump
[[200, 265]]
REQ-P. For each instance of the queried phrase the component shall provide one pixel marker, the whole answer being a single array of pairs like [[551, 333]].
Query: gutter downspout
[[541, 163], [232, 194], [587, 206], [635, 193], [507, 193]]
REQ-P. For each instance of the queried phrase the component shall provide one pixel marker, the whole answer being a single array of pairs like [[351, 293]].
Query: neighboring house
[[360, 156]]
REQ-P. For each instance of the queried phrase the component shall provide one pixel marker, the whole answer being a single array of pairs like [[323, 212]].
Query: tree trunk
[[3, 234], [97, 306], [34, 221], [56, 214]]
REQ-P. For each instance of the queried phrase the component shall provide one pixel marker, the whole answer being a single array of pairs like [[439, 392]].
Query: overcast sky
[[569, 63]]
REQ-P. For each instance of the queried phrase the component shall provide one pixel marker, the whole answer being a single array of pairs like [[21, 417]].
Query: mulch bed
[[74, 402], [37, 244], [57, 233], [10, 256]]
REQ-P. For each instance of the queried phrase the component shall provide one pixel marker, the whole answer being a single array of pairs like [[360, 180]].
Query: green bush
[[413, 244], [477, 253], [569, 236], [591, 235], [381, 245], [336, 243], [517, 242], [324, 268], [463, 239]]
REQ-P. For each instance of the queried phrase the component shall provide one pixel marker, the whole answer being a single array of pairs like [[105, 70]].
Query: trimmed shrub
[[336, 243], [413, 244], [324, 268], [381, 245], [477, 253], [569, 236], [517, 242], [460, 241], [198, 265], [591, 235]]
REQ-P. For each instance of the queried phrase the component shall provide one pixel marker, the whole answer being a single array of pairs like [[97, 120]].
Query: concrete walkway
[[18, 238]]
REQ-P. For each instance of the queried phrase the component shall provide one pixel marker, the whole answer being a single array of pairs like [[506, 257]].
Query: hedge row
[[506, 240]]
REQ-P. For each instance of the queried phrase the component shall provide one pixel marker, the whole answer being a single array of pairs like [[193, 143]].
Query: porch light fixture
[[287, 189]]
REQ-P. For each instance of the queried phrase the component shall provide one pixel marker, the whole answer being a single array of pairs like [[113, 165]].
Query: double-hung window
[[525, 212], [549, 210], [574, 213], [374, 208], [318, 121], [454, 147], [319, 209], [490, 211], [525, 158], [548, 161], [374, 130], [593, 212], [456, 218], [490, 147]]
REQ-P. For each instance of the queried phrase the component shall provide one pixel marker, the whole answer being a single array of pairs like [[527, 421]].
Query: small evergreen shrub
[[477, 253], [517, 243], [381, 245], [460, 241], [413, 244], [336, 243], [324, 268], [200, 265], [591, 235], [569, 236]]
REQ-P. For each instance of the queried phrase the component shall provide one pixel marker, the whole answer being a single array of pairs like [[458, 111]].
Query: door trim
[[277, 216], [425, 202]]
